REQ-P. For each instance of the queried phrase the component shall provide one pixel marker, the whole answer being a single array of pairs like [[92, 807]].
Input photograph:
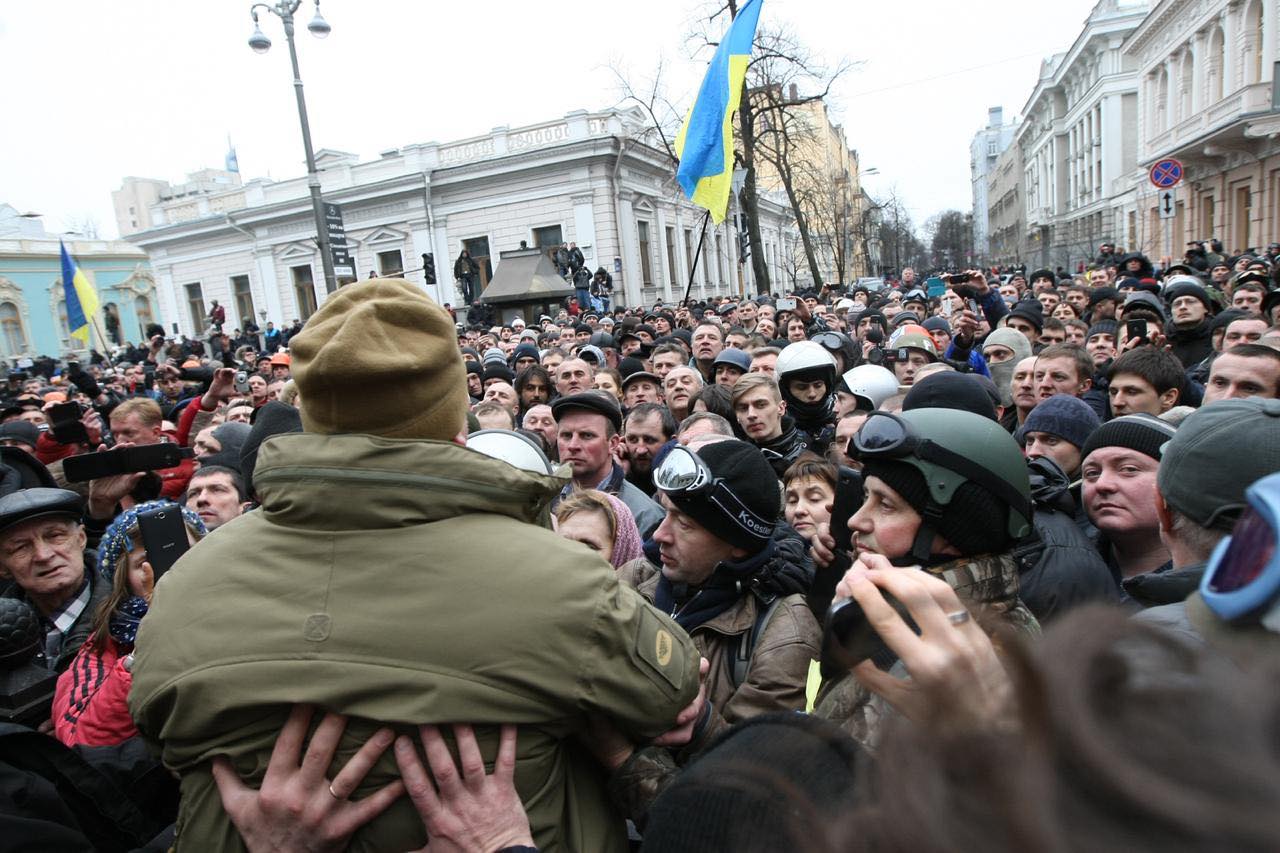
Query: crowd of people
[[969, 561]]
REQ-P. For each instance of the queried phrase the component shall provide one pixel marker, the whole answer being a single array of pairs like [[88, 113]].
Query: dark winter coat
[[1059, 568], [1191, 346]]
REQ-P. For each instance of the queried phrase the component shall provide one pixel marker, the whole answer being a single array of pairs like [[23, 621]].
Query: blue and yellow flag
[[705, 143], [82, 302]]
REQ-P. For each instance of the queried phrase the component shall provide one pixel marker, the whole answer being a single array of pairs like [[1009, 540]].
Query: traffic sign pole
[[1164, 176]]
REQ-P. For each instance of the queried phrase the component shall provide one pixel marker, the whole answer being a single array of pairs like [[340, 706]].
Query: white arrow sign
[[1168, 208]]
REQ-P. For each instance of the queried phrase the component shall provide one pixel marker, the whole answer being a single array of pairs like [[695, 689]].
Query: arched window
[[1251, 53], [142, 308], [1213, 89], [12, 337]]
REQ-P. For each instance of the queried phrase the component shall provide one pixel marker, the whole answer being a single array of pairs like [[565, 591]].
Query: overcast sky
[[98, 90]]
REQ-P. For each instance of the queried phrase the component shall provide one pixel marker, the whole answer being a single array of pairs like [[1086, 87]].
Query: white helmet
[[873, 383], [515, 449], [803, 355]]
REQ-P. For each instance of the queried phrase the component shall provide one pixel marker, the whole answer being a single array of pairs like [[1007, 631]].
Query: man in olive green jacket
[[399, 578]]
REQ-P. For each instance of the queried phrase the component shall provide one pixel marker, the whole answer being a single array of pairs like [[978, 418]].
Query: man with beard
[[647, 428]]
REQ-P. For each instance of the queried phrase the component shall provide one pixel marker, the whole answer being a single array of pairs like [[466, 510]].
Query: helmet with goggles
[[952, 449]]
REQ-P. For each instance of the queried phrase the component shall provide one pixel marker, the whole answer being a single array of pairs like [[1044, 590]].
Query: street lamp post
[[319, 28]]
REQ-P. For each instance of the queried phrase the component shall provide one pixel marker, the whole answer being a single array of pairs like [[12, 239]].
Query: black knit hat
[[974, 521], [761, 786], [1103, 327], [1144, 433], [1098, 294], [498, 371], [748, 476], [274, 418], [950, 390], [1029, 310]]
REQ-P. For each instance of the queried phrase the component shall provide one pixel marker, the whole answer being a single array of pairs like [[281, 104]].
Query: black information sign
[[343, 265]]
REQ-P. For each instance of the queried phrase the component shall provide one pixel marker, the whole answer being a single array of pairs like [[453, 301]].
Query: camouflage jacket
[[988, 585]]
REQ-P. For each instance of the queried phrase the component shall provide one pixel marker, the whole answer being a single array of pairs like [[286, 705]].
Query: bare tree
[[950, 237], [82, 225], [789, 133], [651, 97], [900, 244]]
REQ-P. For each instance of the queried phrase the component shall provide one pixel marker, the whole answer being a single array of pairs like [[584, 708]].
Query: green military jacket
[[402, 582]]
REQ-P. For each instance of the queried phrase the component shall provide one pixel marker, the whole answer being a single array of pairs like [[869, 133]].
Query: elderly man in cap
[[588, 437], [44, 562], [401, 590]]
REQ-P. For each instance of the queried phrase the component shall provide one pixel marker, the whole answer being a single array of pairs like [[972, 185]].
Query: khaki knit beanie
[[381, 358]]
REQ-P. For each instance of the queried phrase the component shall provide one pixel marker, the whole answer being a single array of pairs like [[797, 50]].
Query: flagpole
[[106, 348], [697, 255]]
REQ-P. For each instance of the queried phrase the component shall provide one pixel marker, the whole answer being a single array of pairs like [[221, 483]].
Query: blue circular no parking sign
[[1166, 173]]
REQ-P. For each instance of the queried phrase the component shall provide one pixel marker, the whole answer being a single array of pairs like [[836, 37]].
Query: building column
[[668, 275], [629, 252], [584, 229], [436, 241], [265, 263], [420, 235], [170, 299], [682, 264]]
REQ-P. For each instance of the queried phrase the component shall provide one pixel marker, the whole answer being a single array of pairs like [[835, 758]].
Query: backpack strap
[[747, 642]]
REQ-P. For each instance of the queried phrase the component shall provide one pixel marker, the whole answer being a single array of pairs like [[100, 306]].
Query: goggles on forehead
[[1242, 580], [684, 477]]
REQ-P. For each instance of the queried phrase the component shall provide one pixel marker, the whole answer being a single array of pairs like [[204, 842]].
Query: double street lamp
[[319, 28]]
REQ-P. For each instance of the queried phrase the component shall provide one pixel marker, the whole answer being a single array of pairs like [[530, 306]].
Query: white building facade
[[985, 149], [587, 178], [1078, 141], [1207, 70]]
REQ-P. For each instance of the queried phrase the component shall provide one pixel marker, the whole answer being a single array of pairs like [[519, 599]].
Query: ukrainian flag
[[705, 143], [82, 302]]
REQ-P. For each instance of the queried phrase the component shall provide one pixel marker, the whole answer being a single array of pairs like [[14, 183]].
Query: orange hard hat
[[280, 358]]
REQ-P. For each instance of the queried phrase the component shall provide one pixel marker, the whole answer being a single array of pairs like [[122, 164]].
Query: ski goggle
[[828, 341], [1242, 579], [684, 477], [884, 435]]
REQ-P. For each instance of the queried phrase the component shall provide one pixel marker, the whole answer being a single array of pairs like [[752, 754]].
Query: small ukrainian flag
[[82, 302], [705, 142]]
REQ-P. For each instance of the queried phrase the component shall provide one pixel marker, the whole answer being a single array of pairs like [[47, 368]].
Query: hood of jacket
[[386, 483], [1146, 270]]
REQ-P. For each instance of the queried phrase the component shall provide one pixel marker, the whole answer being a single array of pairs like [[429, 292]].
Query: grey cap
[[27, 504], [1217, 453]]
